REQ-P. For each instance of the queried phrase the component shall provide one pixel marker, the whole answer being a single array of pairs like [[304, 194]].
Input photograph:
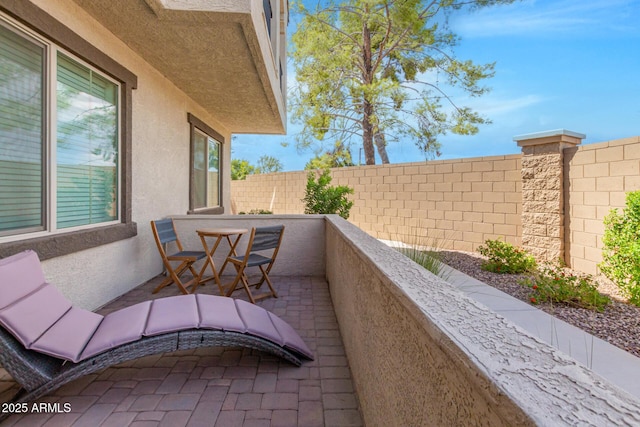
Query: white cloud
[[546, 18], [493, 107]]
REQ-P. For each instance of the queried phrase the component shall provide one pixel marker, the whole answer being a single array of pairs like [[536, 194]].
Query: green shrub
[[621, 253], [256, 212], [552, 284], [504, 258], [321, 198]]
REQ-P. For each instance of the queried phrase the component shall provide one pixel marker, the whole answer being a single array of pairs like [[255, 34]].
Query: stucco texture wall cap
[[548, 133], [549, 139]]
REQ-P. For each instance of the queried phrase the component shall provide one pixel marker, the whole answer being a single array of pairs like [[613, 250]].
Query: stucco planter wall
[[421, 353]]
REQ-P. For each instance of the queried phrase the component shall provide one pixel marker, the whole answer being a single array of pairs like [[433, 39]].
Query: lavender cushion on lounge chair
[[258, 321], [20, 274], [117, 328], [31, 316], [219, 313], [291, 338], [172, 314], [69, 335]]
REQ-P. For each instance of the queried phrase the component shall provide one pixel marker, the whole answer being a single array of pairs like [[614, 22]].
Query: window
[[206, 150], [206, 172], [64, 138], [67, 176], [87, 148], [22, 136]]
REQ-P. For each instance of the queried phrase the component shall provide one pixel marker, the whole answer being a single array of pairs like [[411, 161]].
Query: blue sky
[[560, 64]]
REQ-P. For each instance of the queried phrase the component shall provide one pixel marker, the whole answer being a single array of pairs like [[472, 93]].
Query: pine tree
[[383, 71]]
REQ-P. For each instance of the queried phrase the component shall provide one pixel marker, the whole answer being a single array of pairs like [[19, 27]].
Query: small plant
[[428, 259], [422, 245], [320, 198], [256, 212], [552, 284], [621, 253], [504, 258], [424, 250]]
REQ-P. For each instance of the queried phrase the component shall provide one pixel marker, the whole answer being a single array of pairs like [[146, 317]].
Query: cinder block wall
[[462, 202], [596, 179], [279, 193]]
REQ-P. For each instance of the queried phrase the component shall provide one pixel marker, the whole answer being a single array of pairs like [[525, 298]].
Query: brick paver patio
[[217, 386]]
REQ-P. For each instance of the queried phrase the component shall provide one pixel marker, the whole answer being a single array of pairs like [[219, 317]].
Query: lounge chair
[[45, 342]]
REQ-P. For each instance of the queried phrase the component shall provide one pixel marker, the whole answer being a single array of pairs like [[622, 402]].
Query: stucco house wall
[[160, 166]]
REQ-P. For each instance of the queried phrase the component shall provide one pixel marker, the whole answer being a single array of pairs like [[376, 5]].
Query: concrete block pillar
[[542, 191]]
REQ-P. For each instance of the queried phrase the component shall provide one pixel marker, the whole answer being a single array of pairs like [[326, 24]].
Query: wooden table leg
[[209, 261], [232, 251]]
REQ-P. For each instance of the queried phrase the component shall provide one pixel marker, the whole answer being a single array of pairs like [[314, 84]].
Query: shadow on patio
[[217, 386]]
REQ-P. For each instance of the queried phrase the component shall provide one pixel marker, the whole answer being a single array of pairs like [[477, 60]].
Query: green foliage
[[240, 168], [321, 198], [551, 284], [337, 158], [425, 249], [268, 164], [621, 253], [430, 259], [504, 258], [379, 71], [257, 212]]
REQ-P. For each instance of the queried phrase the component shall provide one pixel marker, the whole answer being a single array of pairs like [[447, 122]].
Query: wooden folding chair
[[262, 239], [164, 233]]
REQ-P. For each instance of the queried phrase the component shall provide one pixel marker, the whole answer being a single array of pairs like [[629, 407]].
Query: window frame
[[195, 125], [62, 243]]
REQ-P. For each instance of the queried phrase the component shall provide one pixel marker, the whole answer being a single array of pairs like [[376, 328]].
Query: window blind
[[87, 147], [206, 171], [213, 176], [199, 176], [21, 134]]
